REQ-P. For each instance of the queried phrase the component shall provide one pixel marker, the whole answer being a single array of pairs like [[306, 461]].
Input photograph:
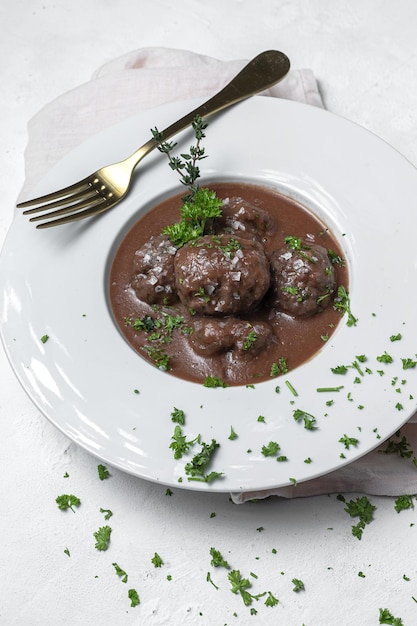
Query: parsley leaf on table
[[156, 560], [386, 617], [66, 501], [362, 508], [120, 572], [403, 502], [241, 585], [298, 585], [107, 513], [133, 597], [102, 537], [103, 472], [217, 560]]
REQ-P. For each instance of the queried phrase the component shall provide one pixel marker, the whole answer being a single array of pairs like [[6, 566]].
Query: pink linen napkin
[[150, 77]]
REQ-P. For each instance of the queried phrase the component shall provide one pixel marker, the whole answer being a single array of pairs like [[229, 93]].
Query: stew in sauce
[[251, 299]]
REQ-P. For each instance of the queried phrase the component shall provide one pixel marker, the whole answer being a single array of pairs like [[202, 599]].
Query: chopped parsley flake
[[121, 573], [103, 472], [395, 337], [348, 441], [298, 585], [271, 600], [196, 468], [156, 560], [403, 502], [217, 560], [133, 597], [386, 617], [107, 513], [385, 358], [342, 304], [214, 381], [102, 537], [408, 363], [309, 420], [271, 449], [179, 444], [67, 502], [361, 508], [178, 416], [241, 585]]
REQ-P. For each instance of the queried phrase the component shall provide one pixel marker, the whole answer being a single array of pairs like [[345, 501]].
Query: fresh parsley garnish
[[310, 422], [156, 560], [386, 617], [217, 560], [103, 472], [342, 303], [361, 508], [178, 416], [179, 444], [121, 573], [403, 502], [271, 449], [384, 358], [196, 468], [107, 513], [348, 441], [199, 204], [102, 537], [298, 585], [133, 597], [66, 501], [214, 381]]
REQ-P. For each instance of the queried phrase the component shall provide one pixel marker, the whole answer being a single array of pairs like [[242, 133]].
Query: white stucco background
[[364, 55]]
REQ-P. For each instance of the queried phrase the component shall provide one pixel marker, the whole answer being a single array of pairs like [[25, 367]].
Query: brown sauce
[[294, 340]]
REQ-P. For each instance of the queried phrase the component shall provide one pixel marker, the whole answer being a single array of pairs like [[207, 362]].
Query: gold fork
[[107, 186]]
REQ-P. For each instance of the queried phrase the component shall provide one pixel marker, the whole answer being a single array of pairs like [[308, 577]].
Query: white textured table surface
[[364, 55]]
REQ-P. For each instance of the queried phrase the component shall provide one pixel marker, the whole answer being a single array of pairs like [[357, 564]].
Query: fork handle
[[265, 70]]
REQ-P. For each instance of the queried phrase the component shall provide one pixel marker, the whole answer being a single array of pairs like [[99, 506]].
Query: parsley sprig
[[199, 204], [102, 537], [196, 468], [240, 585], [66, 501], [361, 508], [342, 304]]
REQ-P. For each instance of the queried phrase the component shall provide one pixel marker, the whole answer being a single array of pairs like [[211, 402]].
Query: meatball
[[212, 336], [221, 275], [303, 280], [153, 271], [244, 219]]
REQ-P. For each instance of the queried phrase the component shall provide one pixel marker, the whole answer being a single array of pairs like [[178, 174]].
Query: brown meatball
[[303, 281], [212, 336], [153, 271], [244, 219], [221, 275]]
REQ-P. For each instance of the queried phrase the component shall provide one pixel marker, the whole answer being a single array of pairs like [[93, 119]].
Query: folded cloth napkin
[[149, 77]]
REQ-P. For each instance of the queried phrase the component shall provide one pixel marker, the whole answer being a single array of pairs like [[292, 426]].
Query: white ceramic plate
[[83, 379]]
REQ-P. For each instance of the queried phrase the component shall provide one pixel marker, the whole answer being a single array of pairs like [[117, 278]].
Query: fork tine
[[70, 200], [95, 209], [66, 191], [93, 201]]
